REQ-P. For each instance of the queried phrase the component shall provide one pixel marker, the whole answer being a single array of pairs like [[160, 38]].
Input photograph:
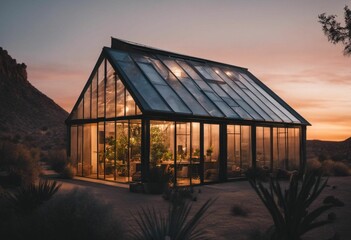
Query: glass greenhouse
[[201, 120]]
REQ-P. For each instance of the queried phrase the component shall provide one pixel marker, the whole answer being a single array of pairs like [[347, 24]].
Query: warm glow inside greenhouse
[[200, 120]]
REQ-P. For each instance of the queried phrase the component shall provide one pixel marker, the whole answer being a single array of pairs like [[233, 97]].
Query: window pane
[[130, 104], [80, 110], [80, 150], [234, 152], [110, 151], [73, 142], [87, 103], [101, 150], [246, 147], [94, 97], [270, 98], [294, 148], [143, 87], [171, 78], [165, 91], [87, 167], [122, 141], [120, 56], [120, 98], [183, 153], [162, 146], [280, 157], [195, 153], [101, 90], [110, 92], [135, 151], [211, 147], [263, 146]]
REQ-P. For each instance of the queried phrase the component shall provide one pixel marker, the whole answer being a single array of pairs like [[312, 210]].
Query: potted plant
[[209, 152], [157, 181]]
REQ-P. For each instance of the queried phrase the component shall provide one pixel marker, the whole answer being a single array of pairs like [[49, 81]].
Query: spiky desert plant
[[175, 225], [28, 197], [290, 208]]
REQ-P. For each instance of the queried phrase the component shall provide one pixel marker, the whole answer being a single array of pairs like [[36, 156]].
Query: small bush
[[257, 173], [18, 163], [58, 160], [70, 216], [331, 168], [313, 165], [239, 210], [180, 195], [67, 172]]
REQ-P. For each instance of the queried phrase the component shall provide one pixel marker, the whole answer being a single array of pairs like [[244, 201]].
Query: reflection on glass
[[280, 157], [80, 110], [120, 98], [122, 141], [130, 104], [211, 147], [195, 153]]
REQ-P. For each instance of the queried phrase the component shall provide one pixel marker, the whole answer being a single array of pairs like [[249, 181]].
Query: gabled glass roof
[[177, 84]]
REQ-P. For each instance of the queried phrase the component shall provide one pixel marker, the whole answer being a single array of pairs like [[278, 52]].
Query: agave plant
[[175, 225], [28, 197], [290, 208]]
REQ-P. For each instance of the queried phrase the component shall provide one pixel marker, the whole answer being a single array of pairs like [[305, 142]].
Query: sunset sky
[[279, 41]]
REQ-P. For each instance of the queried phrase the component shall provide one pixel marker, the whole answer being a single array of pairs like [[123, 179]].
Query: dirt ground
[[221, 224]]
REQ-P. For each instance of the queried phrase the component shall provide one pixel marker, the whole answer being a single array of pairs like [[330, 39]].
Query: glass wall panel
[[101, 150], [211, 147], [101, 90], [120, 98], [130, 104], [246, 160], [195, 153], [122, 141], [73, 143], [87, 167], [238, 150], [294, 148], [263, 147], [280, 157], [110, 151], [135, 150], [110, 91], [94, 150], [94, 97], [183, 133], [80, 110], [87, 98], [80, 150], [162, 146]]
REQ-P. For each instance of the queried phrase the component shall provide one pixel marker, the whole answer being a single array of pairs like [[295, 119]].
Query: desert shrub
[[27, 198], [289, 208], [331, 168], [179, 195], [70, 216], [18, 163], [257, 173], [239, 210], [58, 160], [176, 224], [67, 172], [313, 165]]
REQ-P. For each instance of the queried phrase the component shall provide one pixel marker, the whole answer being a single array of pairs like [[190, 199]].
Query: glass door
[[211, 152]]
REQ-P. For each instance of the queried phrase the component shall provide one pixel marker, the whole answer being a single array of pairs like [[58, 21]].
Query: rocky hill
[[323, 150], [27, 115]]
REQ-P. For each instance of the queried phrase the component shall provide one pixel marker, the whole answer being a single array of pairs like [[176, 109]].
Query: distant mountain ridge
[[27, 115], [338, 151]]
